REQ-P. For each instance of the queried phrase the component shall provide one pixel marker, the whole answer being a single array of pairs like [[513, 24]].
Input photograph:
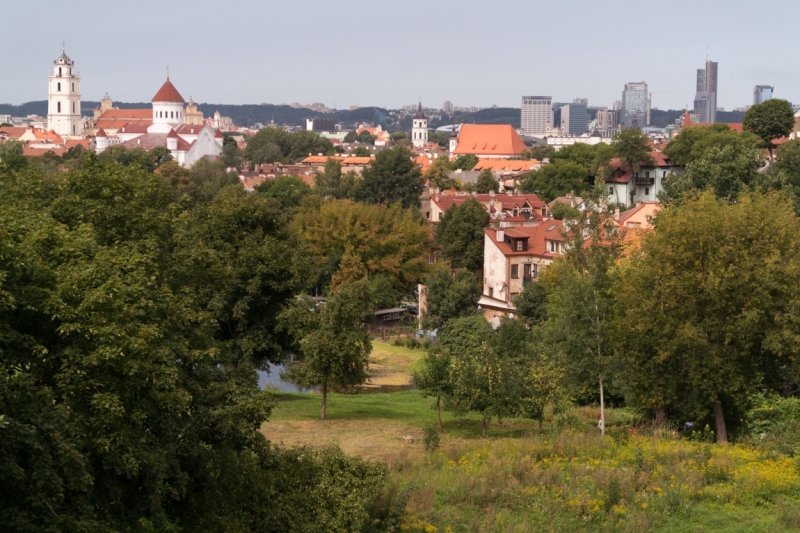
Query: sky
[[389, 54]]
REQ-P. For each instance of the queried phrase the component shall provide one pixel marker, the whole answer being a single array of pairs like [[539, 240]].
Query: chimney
[[491, 193], [500, 235]]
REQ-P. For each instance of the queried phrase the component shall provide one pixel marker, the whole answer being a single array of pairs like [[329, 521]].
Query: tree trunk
[[483, 428], [439, 412], [661, 417], [719, 421], [602, 410], [324, 400]]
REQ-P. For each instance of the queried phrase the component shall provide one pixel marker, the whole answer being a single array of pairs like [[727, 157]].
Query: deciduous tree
[[460, 234], [392, 177], [449, 296], [769, 120]]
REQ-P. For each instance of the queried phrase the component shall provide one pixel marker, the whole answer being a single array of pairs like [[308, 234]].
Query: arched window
[[59, 86], [73, 107], [73, 129], [59, 107], [172, 114], [59, 72], [73, 87]]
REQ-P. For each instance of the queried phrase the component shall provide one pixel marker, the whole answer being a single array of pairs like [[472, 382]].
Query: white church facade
[[64, 98], [167, 128]]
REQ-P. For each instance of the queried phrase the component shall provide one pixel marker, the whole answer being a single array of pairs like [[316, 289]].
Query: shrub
[[431, 439]]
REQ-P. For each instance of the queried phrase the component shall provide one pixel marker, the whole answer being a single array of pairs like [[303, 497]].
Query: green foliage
[[632, 147], [331, 183], [332, 345], [460, 234], [131, 330], [788, 161], [11, 155], [364, 137], [556, 179], [384, 293], [727, 171], [538, 152], [769, 120], [232, 156], [715, 283], [450, 296], [486, 183], [274, 144], [564, 211], [288, 191], [361, 151], [431, 439], [387, 240], [204, 180], [531, 304], [438, 174], [692, 143], [464, 162], [147, 160], [392, 177], [465, 333], [438, 137]]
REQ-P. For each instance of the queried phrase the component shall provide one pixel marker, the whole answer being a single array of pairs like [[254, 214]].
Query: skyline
[[350, 54]]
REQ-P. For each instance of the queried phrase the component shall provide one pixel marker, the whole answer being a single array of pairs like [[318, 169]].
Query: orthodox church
[[164, 126]]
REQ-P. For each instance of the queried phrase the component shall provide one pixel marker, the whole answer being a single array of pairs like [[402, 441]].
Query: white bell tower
[[419, 129], [64, 98]]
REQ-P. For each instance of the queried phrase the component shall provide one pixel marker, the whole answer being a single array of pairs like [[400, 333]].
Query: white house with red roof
[[514, 257], [188, 143], [627, 187]]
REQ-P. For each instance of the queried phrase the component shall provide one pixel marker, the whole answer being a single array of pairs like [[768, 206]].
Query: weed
[[431, 438]]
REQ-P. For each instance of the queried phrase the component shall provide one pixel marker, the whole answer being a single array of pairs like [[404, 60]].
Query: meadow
[[566, 478]]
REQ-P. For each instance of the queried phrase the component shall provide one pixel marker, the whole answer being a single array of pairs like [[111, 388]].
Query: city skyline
[[343, 55]]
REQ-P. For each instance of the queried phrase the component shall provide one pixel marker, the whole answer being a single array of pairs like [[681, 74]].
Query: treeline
[[137, 301]]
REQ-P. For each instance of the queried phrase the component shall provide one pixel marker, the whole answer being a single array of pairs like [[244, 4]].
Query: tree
[[593, 158], [580, 300], [388, 240], [449, 296], [464, 162], [398, 136], [332, 183], [693, 143], [231, 154], [361, 151], [288, 191], [531, 304], [273, 144], [538, 152], [333, 345], [461, 334], [712, 296], [207, 178], [11, 155], [485, 183], [556, 179], [769, 120], [564, 211], [438, 174], [537, 384], [392, 177], [788, 160], [727, 171], [433, 378], [632, 147], [460, 234], [480, 384]]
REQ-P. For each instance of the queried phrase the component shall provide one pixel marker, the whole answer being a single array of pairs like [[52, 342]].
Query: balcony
[[643, 181]]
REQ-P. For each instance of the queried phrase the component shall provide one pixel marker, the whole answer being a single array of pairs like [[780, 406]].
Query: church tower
[[419, 129], [167, 109], [64, 98]]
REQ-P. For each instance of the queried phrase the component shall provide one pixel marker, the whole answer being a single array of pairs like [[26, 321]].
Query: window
[[172, 114], [73, 87], [647, 191], [491, 292], [552, 246], [59, 72], [611, 190], [441, 215], [647, 174], [526, 273], [427, 214], [73, 107], [518, 245], [514, 271], [59, 107], [59, 86]]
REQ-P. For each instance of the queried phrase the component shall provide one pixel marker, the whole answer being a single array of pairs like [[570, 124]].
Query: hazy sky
[[354, 52]]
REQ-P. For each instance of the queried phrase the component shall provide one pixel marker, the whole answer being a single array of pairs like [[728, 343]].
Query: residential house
[[354, 163], [501, 207], [627, 188], [514, 257]]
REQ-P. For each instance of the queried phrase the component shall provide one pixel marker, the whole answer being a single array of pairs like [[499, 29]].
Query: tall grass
[[577, 481]]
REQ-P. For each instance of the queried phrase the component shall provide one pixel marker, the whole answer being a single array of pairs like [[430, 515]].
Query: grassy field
[[565, 479], [392, 365]]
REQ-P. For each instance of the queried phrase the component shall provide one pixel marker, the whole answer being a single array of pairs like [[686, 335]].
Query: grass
[[566, 479], [392, 365]]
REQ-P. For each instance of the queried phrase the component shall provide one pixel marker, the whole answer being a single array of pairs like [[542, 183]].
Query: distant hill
[[39, 107]]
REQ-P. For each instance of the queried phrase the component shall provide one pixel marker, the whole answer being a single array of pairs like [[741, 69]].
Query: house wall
[[495, 270], [204, 146]]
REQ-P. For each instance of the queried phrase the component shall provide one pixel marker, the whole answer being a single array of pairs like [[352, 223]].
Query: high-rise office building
[[705, 101], [447, 107], [762, 93], [572, 118], [536, 114], [634, 105]]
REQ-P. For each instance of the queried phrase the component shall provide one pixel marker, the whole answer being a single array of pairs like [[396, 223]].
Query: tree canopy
[[460, 234], [392, 177], [769, 120]]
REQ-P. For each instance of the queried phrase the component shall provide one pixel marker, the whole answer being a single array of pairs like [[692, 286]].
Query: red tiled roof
[[346, 161], [489, 139], [133, 128], [660, 159], [37, 152], [101, 133], [506, 165], [12, 132], [189, 129], [168, 93], [549, 230], [116, 118], [75, 142], [154, 140], [446, 201]]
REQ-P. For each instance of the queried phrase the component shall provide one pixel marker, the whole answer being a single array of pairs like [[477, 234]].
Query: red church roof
[[489, 140], [168, 93]]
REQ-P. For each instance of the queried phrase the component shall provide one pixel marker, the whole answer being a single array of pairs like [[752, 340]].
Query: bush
[[431, 439], [412, 343]]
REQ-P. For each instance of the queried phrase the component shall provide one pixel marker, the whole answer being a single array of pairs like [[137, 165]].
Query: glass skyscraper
[[762, 93], [634, 105], [705, 101]]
